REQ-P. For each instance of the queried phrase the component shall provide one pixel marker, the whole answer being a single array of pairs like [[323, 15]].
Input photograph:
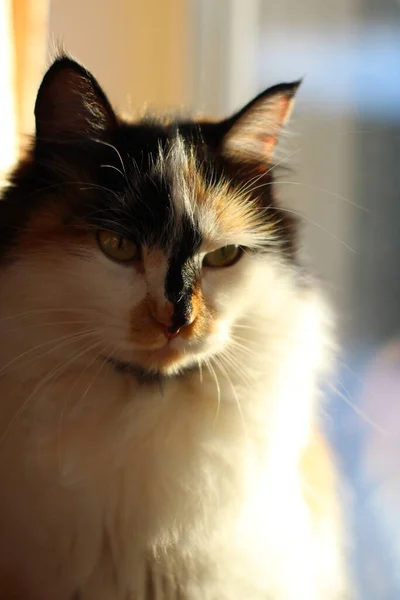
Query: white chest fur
[[113, 489], [140, 489]]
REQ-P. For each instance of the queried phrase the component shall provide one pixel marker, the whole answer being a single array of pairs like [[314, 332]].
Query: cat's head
[[146, 243]]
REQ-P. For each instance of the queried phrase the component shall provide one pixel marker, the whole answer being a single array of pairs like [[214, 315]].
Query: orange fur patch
[[147, 324], [145, 330], [235, 210], [319, 478], [46, 233], [202, 317]]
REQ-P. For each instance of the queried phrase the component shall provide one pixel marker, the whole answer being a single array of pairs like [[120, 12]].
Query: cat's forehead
[[180, 202]]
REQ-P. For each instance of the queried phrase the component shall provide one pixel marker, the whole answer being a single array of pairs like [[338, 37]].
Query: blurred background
[[343, 147]]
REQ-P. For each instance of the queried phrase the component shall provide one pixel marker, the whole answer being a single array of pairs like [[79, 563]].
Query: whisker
[[232, 361], [213, 373], [67, 339], [250, 327], [253, 342], [290, 155], [46, 324], [93, 186], [325, 191], [112, 167], [244, 189], [224, 371], [40, 386], [242, 347], [115, 150], [362, 414], [65, 404], [63, 183], [200, 372], [103, 364], [304, 218], [47, 310], [311, 187]]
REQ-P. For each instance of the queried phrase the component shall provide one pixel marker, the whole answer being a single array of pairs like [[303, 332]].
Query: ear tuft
[[253, 132], [71, 105]]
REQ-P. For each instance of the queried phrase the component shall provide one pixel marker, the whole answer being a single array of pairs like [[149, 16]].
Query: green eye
[[117, 247], [223, 257]]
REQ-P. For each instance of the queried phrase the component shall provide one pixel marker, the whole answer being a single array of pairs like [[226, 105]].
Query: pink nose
[[172, 334], [164, 316], [172, 328]]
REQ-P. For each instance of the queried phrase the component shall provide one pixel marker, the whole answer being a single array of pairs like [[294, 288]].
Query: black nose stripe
[[182, 313]]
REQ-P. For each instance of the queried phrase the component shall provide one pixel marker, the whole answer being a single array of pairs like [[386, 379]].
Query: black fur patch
[[183, 272], [111, 183]]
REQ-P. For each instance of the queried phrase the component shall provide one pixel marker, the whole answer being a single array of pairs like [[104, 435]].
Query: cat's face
[[151, 242]]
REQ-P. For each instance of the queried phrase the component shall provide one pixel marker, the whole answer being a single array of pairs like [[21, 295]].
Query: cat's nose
[[177, 324], [171, 322], [174, 325]]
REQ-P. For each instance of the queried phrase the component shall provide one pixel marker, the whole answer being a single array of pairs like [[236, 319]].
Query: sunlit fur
[[208, 481]]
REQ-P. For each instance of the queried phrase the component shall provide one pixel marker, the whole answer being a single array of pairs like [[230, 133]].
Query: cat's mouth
[[133, 369], [152, 364], [145, 374]]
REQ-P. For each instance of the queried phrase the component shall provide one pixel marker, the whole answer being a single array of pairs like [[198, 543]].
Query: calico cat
[[161, 357]]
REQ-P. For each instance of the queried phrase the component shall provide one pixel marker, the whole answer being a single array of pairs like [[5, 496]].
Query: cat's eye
[[117, 247], [223, 257]]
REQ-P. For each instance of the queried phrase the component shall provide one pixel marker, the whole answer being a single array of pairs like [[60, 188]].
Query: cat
[[162, 355]]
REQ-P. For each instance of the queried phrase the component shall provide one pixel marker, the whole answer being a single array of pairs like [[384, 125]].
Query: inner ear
[[252, 133], [71, 105]]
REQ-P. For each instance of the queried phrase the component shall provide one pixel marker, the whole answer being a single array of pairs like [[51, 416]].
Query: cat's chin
[[148, 374], [149, 365], [170, 360]]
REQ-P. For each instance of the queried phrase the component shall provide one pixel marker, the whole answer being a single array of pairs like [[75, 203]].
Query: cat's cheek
[[225, 289], [214, 342], [115, 292]]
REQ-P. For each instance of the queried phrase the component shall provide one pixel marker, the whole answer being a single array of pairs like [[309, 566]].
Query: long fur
[[206, 479]]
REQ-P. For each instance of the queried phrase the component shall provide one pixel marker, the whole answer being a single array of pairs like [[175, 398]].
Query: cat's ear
[[252, 133], [71, 105]]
